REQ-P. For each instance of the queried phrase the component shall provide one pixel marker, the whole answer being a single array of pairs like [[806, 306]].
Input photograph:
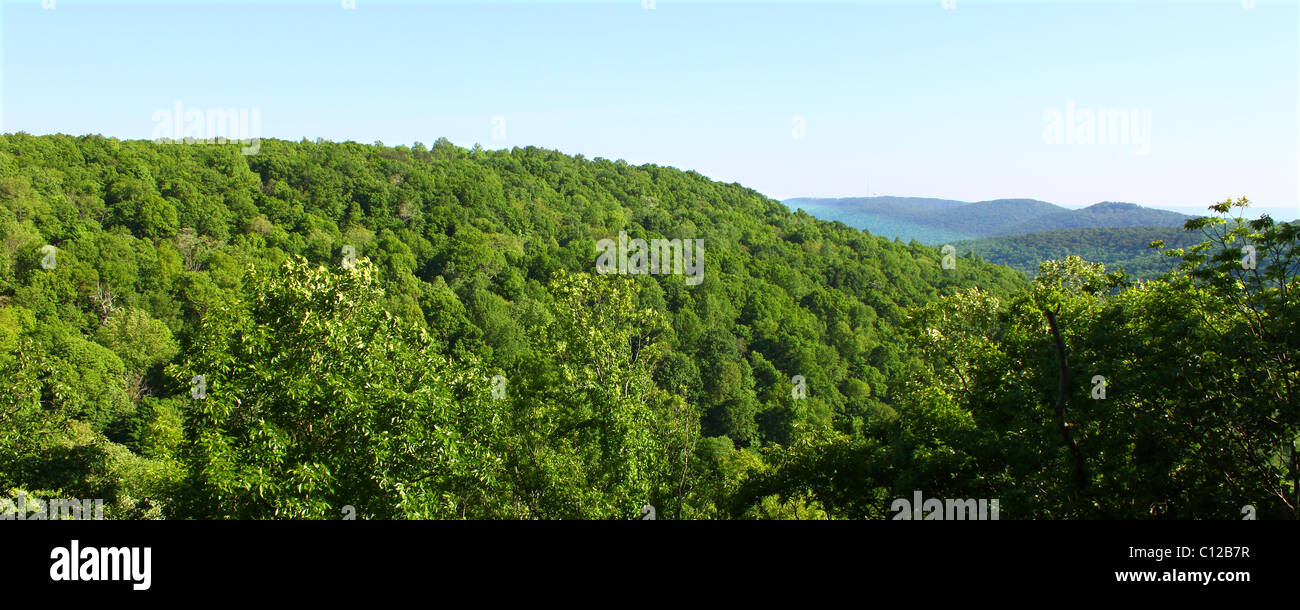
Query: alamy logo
[[36, 509], [215, 126], [1248, 257], [498, 387], [658, 256], [1098, 387], [1101, 126], [48, 257], [113, 563], [944, 510]]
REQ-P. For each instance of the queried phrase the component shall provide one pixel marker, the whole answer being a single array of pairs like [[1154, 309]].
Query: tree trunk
[[1063, 390]]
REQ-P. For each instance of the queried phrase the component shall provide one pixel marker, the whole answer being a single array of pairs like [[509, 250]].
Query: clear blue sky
[[902, 98]]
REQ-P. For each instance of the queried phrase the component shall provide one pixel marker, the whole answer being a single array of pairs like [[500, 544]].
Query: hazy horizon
[[1254, 211], [1171, 105]]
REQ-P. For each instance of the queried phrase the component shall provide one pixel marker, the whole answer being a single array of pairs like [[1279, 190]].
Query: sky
[[968, 99]]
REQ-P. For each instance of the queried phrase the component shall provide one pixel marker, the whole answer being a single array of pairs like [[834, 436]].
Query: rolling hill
[[330, 328], [1116, 247], [936, 221]]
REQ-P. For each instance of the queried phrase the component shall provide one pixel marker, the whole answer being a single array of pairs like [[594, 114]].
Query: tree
[[313, 399], [140, 341], [592, 437]]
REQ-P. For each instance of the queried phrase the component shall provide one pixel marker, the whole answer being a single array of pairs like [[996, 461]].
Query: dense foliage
[[1126, 248], [323, 328]]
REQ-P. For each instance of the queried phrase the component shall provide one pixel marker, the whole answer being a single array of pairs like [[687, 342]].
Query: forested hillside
[[418, 332], [1124, 248], [1107, 214]]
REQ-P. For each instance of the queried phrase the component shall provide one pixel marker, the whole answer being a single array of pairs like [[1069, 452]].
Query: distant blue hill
[[879, 218], [935, 221], [879, 204]]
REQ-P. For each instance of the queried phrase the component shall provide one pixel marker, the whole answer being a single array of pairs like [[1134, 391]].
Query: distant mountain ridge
[[1117, 247], [934, 221]]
